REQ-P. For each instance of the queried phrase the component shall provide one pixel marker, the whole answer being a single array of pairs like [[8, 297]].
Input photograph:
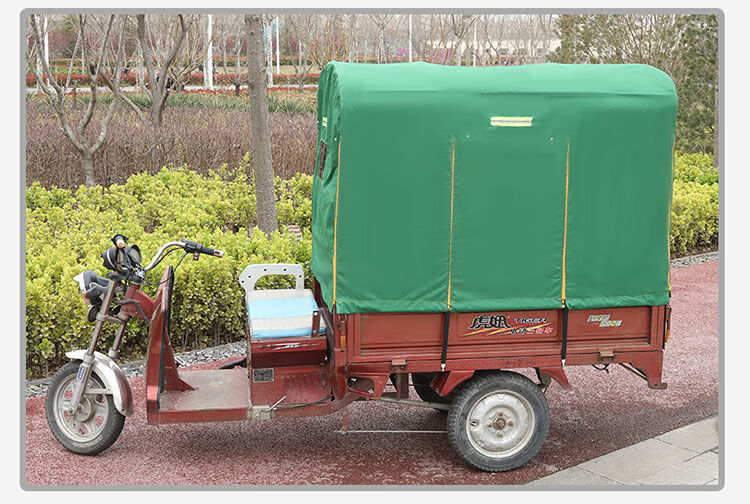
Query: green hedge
[[695, 203], [67, 231], [696, 168]]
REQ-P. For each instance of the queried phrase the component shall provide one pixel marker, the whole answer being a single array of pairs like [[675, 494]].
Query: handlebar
[[188, 246]]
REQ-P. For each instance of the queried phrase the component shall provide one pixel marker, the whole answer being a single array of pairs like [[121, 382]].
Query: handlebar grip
[[212, 252], [191, 246]]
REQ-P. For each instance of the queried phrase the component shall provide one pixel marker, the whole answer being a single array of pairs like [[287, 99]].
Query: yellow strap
[[565, 225], [336, 221], [450, 249]]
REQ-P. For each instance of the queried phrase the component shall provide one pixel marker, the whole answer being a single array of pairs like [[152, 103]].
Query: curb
[[687, 456]]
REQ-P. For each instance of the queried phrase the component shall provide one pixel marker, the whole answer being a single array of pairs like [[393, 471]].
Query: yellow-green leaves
[[66, 231], [695, 202]]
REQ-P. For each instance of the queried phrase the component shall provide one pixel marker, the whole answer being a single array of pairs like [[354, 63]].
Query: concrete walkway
[[685, 456]]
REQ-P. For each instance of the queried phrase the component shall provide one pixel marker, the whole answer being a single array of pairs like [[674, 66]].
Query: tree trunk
[[87, 167], [236, 90], [260, 133], [140, 79], [156, 149]]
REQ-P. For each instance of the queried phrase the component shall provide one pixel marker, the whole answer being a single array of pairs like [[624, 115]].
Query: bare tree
[[259, 128], [491, 30], [140, 70], [530, 37], [231, 42], [190, 54], [56, 90], [352, 22], [299, 28], [381, 22], [430, 39], [159, 57], [329, 40], [459, 25]]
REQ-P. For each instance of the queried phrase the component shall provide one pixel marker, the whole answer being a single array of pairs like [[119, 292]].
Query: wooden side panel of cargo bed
[[384, 336]]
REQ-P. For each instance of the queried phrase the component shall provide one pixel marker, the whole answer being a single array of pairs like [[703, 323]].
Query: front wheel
[[498, 421], [94, 426]]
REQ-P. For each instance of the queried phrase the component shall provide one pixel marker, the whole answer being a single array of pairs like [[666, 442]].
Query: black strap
[[444, 354], [564, 351]]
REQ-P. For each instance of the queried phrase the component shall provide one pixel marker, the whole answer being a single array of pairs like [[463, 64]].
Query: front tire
[[97, 423], [498, 421]]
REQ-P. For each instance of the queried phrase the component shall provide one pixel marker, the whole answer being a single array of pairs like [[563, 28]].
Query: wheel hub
[[500, 424], [87, 421], [85, 410]]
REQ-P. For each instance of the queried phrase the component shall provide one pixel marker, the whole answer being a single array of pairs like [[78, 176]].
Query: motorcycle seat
[[281, 313]]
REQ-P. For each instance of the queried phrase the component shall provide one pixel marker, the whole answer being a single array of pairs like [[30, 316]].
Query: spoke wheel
[[94, 426], [498, 421]]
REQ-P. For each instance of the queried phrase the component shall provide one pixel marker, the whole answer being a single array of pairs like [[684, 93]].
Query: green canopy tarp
[[466, 189]]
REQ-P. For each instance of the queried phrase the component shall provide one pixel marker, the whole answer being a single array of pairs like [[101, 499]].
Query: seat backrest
[[251, 274]]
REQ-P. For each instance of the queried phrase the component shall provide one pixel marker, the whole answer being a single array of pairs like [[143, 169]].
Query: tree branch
[[45, 64], [86, 119], [72, 60]]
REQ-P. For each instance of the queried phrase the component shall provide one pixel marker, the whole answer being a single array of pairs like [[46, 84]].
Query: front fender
[[113, 377]]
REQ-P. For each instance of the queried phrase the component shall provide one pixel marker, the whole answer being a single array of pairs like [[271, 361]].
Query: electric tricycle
[[467, 224]]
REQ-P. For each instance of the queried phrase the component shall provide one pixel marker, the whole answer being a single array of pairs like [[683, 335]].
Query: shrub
[[696, 167], [695, 203], [204, 137], [695, 215], [196, 79], [66, 231], [279, 100]]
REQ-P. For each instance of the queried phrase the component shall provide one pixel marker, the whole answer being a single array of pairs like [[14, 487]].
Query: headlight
[[111, 259]]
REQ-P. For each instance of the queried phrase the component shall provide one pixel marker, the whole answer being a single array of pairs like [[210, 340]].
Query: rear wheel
[[498, 421], [94, 426]]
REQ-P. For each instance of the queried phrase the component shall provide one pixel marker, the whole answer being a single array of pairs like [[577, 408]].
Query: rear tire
[[94, 427], [498, 421]]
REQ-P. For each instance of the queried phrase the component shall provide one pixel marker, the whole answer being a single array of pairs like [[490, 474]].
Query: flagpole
[[410, 38], [278, 58]]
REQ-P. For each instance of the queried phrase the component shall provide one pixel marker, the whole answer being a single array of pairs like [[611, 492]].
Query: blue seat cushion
[[281, 313]]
